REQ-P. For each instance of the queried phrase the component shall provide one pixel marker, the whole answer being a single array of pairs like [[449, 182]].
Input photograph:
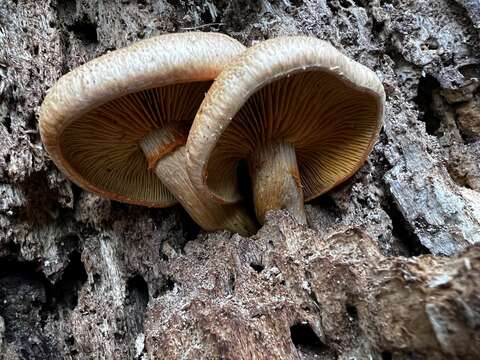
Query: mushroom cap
[[93, 118], [296, 89]]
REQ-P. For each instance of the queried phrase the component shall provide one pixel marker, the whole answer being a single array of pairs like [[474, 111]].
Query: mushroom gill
[[101, 142], [329, 126]]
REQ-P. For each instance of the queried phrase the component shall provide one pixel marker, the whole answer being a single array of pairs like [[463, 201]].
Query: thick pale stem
[[276, 181], [166, 154]]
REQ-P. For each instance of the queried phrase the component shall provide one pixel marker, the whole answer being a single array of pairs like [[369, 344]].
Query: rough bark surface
[[388, 270]]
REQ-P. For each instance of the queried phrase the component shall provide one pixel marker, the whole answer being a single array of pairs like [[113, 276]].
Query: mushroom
[[111, 121], [301, 114]]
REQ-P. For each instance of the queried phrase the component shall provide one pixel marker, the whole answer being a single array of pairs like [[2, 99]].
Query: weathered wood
[[82, 277], [231, 297]]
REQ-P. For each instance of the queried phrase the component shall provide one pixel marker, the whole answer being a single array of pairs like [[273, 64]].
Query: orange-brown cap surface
[[92, 120], [298, 90]]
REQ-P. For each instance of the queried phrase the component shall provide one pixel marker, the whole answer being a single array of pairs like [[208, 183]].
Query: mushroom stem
[[276, 181], [166, 155]]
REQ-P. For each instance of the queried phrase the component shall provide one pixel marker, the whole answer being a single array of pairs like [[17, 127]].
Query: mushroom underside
[[330, 123], [103, 145], [135, 146]]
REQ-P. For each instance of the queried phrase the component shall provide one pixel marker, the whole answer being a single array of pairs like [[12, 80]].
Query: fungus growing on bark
[[110, 122], [303, 115]]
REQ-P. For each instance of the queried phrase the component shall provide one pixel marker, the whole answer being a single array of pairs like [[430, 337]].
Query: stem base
[[170, 167], [276, 181]]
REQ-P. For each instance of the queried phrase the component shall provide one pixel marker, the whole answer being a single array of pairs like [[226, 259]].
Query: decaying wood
[[231, 297], [82, 277]]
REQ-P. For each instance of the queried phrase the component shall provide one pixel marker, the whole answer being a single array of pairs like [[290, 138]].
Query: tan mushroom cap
[[92, 120], [299, 90]]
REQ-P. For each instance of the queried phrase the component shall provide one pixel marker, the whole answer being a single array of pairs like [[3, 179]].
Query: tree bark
[[388, 270]]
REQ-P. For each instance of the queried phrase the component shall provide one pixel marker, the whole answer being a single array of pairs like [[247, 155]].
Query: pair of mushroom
[[302, 115]]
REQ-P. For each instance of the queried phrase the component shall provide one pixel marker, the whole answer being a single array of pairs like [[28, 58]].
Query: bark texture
[[82, 277]]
